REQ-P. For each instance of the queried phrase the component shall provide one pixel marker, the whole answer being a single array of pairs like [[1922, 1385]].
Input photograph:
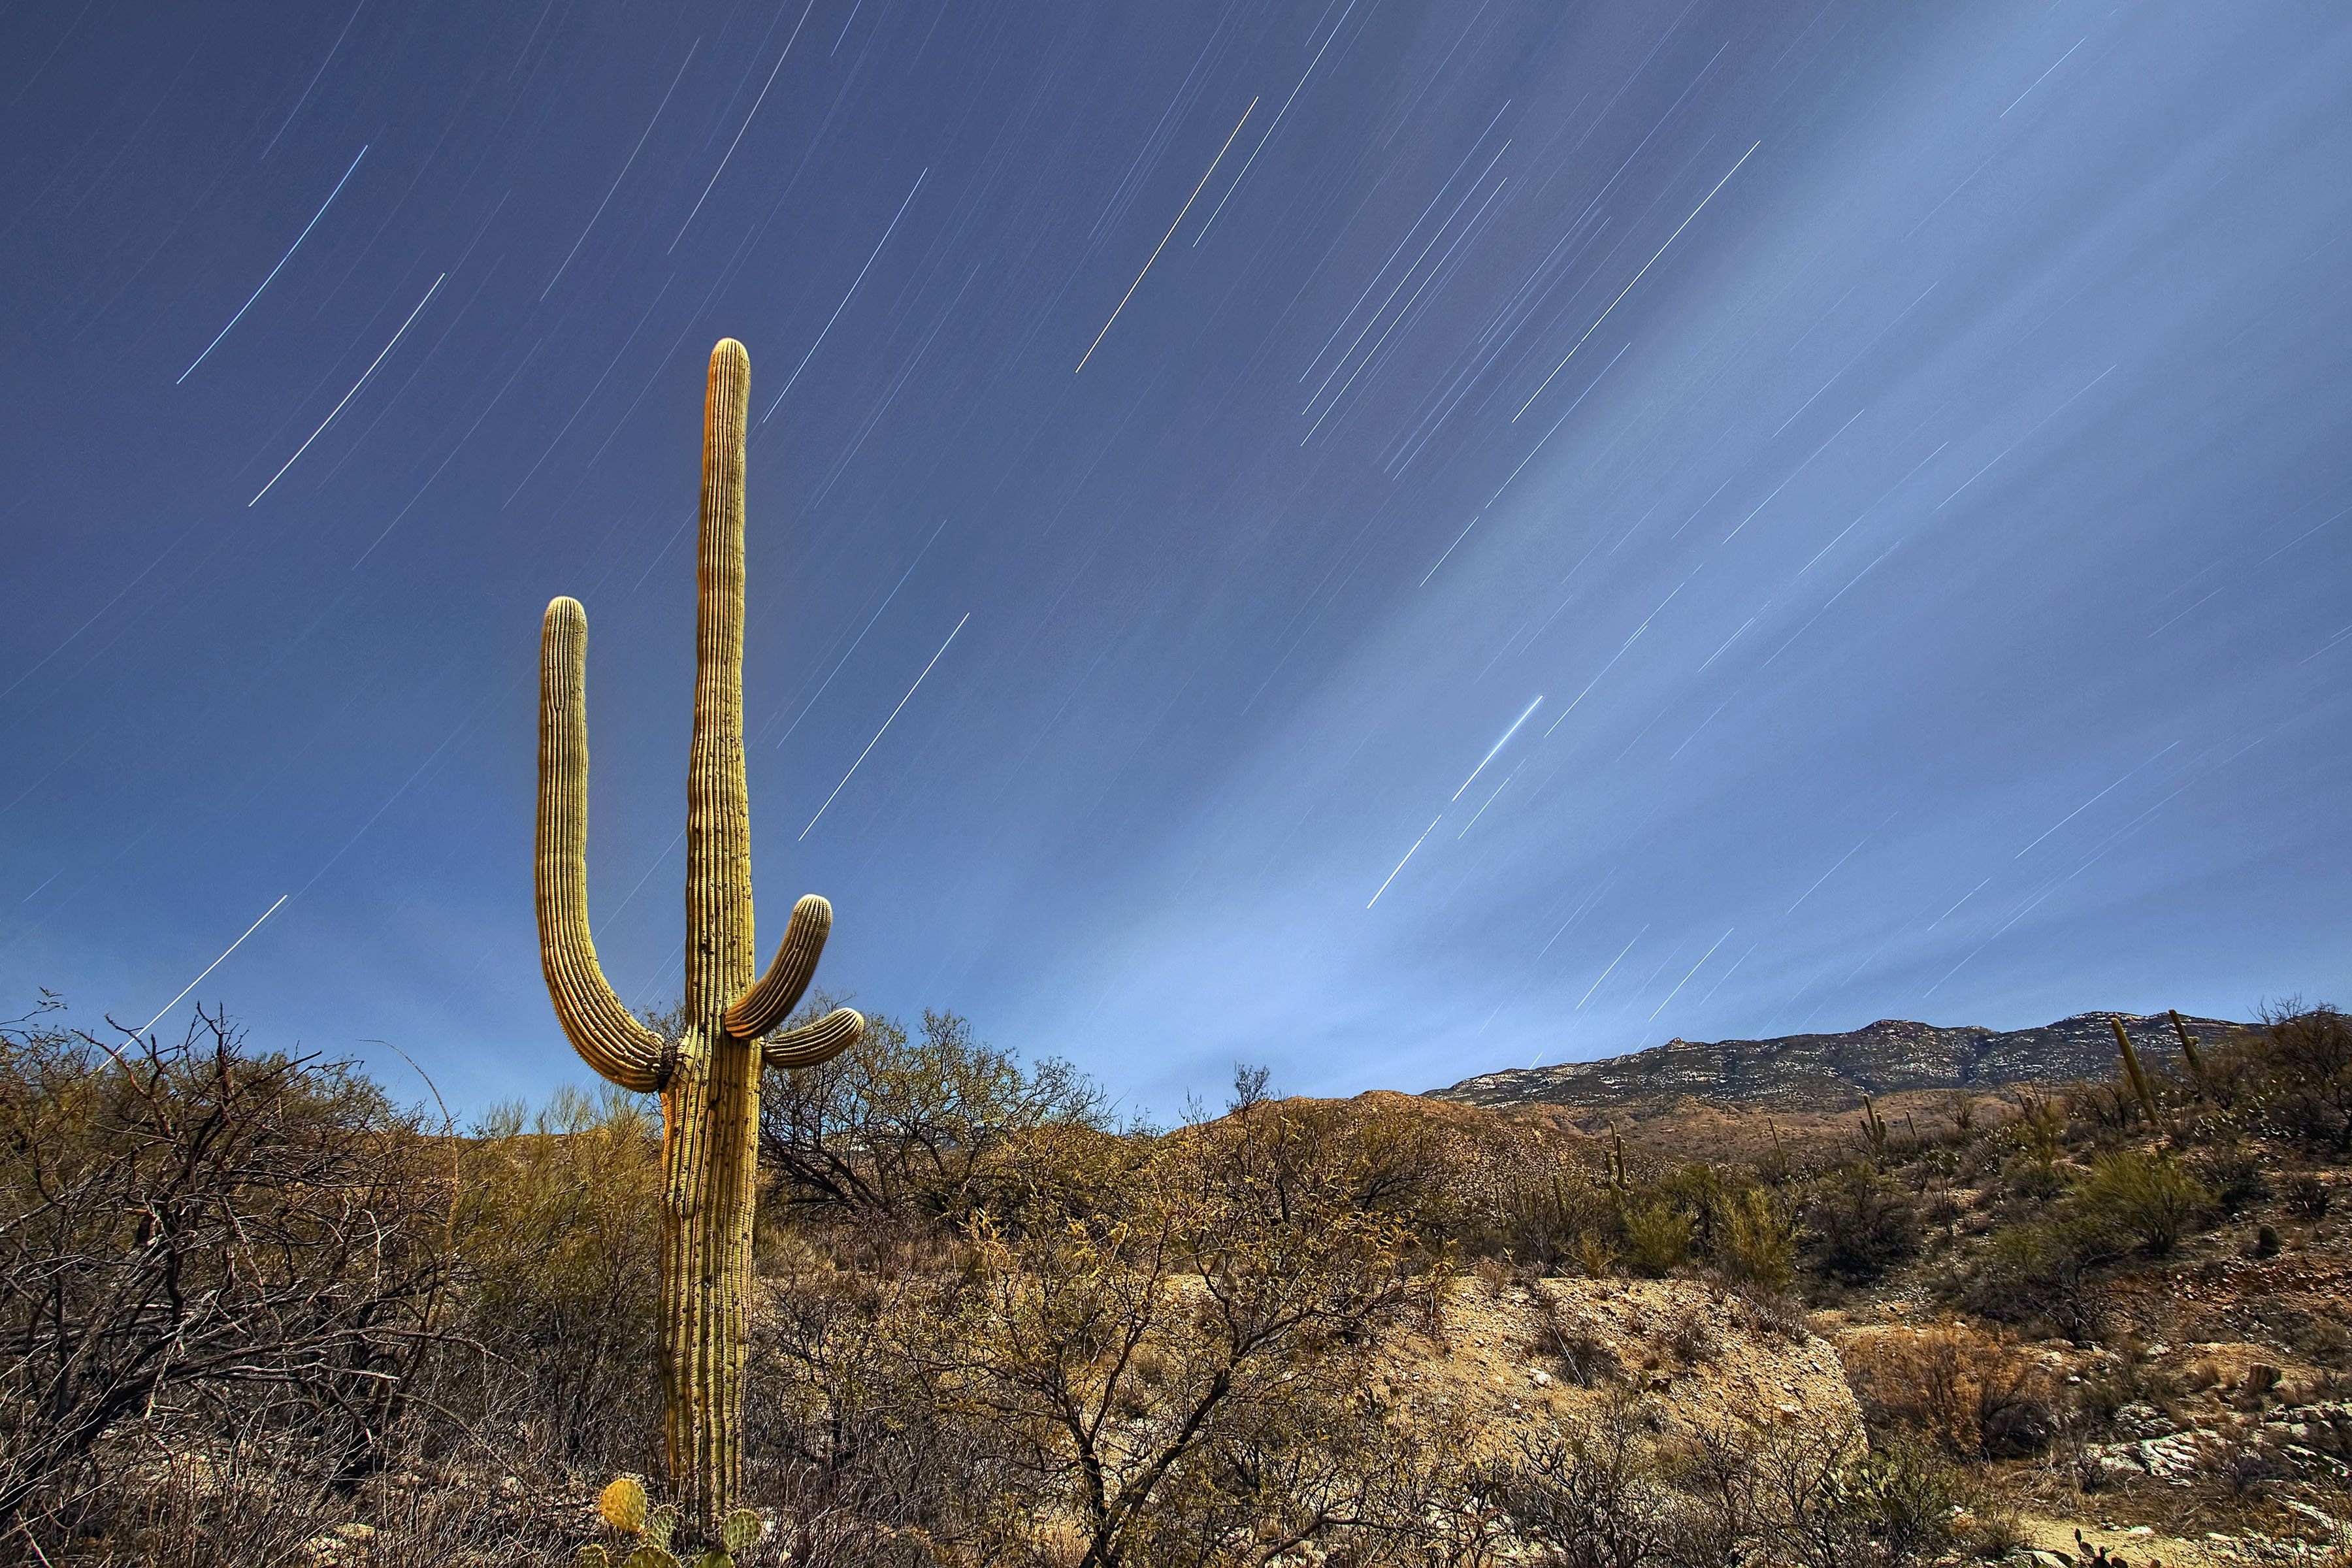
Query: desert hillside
[[1833, 1072], [994, 1324]]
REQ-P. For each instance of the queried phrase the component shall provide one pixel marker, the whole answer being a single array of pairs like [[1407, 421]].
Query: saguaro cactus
[[707, 1077], [2134, 1074]]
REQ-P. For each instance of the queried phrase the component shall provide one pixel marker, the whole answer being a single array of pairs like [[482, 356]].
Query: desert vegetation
[[255, 1303]]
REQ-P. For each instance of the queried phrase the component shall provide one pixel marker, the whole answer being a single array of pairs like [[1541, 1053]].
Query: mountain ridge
[[1834, 1071]]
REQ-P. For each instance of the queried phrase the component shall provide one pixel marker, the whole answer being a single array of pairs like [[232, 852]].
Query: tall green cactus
[[709, 1078], [1874, 1129], [2189, 1054], [2134, 1074]]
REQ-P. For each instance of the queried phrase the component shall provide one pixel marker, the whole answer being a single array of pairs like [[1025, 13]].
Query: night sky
[[1387, 540]]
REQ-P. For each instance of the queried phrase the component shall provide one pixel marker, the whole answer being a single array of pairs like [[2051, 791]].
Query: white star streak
[[2061, 60], [2085, 805], [624, 168], [355, 388], [1637, 277], [1277, 125], [1832, 870], [1963, 898], [1605, 973], [861, 634], [885, 726], [1408, 855], [837, 310], [1164, 239], [216, 963], [1498, 746], [1729, 974], [746, 125], [1687, 979], [282, 260], [1784, 484]]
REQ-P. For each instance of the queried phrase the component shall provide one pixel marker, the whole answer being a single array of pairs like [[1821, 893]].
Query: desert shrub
[[1891, 1505], [1858, 1223], [1594, 1496], [2233, 1174], [2046, 1271], [2306, 1091], [1813, 1496], [203, 1245], [2308, 1194], [1169, 1376], [2033, 1180], [1700, 1191], [1967, 1393], [1690, 1335], [559, 1226], [1571, 1340], [1757, 1244], [1657, 1238], [2149, 1197], [1544, 1216]]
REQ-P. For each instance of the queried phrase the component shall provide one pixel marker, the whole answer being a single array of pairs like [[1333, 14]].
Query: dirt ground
[[1526, 1360]]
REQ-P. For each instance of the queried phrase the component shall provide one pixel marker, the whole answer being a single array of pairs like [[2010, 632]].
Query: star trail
[[1890, 436]]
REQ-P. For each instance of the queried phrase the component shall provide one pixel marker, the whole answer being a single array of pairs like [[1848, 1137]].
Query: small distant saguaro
[[709, 1078]]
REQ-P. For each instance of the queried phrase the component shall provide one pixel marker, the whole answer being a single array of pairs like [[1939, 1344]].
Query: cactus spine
[[709, 1078]]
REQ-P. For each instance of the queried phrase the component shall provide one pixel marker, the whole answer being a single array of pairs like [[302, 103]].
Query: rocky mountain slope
[[1831, 1072]]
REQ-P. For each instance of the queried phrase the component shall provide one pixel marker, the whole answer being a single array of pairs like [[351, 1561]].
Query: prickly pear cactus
[[742, 1530], [661, 1525], [594, 1556], [623, 1504]]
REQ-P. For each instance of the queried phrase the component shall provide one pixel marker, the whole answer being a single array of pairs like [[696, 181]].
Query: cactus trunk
[[707, 1077], [710, 1109], [2134, 1074], [709, 1119]]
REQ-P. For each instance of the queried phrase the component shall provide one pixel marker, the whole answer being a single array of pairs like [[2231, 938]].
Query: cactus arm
[[814, 1043], [600, 1028], [765, 1005]]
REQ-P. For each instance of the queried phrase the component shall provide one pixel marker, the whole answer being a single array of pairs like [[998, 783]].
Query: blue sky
[[1880, 472]]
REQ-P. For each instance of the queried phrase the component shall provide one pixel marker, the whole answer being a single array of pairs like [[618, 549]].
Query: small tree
[[928, 1128]]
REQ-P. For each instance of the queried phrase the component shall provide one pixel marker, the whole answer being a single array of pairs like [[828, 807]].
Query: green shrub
[[1657, 1238], [1759, 1241], [1858, 1225], [2047, 1272], [2148, 1197]]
